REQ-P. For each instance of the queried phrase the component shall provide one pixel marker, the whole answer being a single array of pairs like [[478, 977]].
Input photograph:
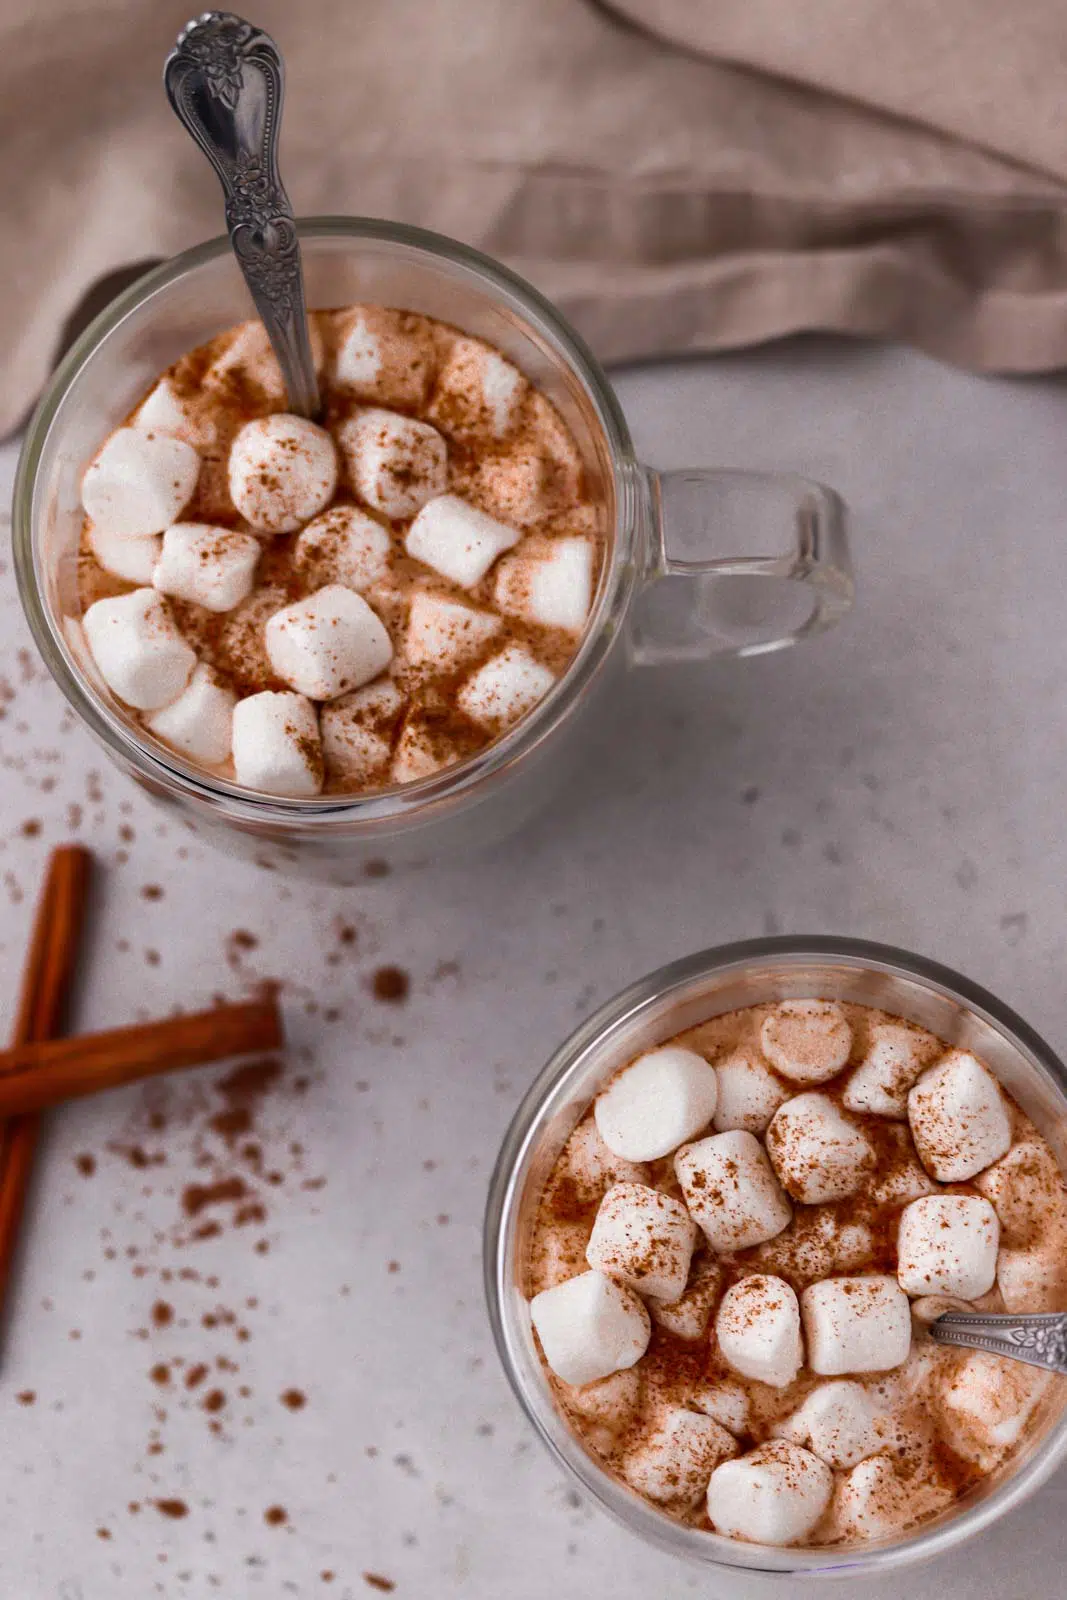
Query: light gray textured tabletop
[[901, 780]]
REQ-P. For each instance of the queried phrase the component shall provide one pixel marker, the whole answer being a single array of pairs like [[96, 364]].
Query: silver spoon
[[225, 80], [1039, 1339]]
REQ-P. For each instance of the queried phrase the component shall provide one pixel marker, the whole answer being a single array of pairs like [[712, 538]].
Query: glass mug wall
[[698, 562], [657, 1007]]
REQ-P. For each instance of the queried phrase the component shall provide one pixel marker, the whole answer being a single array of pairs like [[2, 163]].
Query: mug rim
[[154, 762], [651, 993]]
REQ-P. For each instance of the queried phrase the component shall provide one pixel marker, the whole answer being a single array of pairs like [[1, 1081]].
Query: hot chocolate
[[739, 1249], [342, 605]]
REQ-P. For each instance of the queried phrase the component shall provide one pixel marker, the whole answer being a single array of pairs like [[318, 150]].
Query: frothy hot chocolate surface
[[342, 606], [739, 1249]]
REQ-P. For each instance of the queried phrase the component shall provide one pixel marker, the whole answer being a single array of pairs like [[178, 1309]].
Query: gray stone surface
[[900, 780]]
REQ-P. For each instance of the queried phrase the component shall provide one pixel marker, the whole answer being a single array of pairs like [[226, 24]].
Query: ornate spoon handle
[[225, 80], [1039, 1339]]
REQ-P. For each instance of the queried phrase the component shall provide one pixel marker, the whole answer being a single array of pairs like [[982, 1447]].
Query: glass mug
[[670, 537], [653, 1009]]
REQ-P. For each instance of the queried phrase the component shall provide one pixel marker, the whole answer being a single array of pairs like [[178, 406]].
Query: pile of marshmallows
[[739, 1193], [283, 472]]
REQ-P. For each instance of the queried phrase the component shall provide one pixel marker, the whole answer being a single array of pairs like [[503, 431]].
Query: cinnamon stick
[[40, 1074], [49, 970]]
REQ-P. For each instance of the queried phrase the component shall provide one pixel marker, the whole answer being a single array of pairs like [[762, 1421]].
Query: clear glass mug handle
[[740, 563]]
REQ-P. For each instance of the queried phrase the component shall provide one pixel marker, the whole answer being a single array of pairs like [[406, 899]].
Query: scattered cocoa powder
[[391, 985]]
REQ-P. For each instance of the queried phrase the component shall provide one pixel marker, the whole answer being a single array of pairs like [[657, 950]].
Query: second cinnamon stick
[[33, 1076]]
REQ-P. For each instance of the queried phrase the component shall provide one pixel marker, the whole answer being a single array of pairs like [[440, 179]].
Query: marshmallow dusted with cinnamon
[[749, 1092], [840, 1422], [329, 644], [958, 1118], [807, 1041], [505, 689], [817, 1152], [673, 1465], [139, 483], [553, 588], [774, 1495], [689, 1315], [895, 1057], [860, 1324], [211, 567], [947, 1244], [282, 472], [442, 634], [139, 651], [644, 1239], [394, 463], [131, 559], [343, 545], [758, 1330], [656, 1103], [731, 1191], [276, 745], [357, 731], [457, 540], [199, 724], [590, 1326], [478, 390]]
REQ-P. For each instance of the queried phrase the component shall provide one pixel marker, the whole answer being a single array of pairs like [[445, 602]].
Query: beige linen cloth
[[678, 175]]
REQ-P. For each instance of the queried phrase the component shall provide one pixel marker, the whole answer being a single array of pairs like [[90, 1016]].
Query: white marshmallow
[[725, 1401], [608, 1408], [989, 1400], [856, 1325], [947, 1244], [140, 653], [656, 1103], [282, 471], [929, 1307], [441, 633], [395, 464], [139, 483], [688, 1316], [874, 1502], [457, 540], [731, 1191], [357, 731], [643, 1239], [249, 358], [592, 1168], [554, 589], [212, 567], [589, 1327], [895, 1057], [478, 389], [385, 357], [758, 1330], [199, 723], [420, 751], [1027, 1190], [276, 747], [164, 412], [774, 1495], [131, 559], [328, 644], [958, 1118], [901, 1176], [1034, 1279], [344, 545], [674, 1464], [359, 358], [807, 1041], [817, 1152], [749, 1092], [839, 1422], [505, 689], [821, 1242]]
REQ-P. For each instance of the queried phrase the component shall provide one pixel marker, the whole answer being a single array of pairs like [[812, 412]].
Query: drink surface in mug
[[736, 1254], [333, 608]]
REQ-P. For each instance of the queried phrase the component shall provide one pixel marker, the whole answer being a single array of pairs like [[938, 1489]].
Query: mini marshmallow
[[139, 483], [457, 540], [344, 545], [554, 589], [958, 1118], [249, 358], [590, 1326], [282, 471], [477, 390], [328, 644], [774, 1495], [749, 1092], [591, 1168], [520, 488], [874, 1502], [420, 750], [989, 1401], [674, 1464], [839, 1422], [395, 464], [1027, 1191], [441, 633], [1034, 1279], [807, 1041], [895, 1057], [688, 1316], [726, 1402], [385, 356], [276, 746], [820, 1243], [357, 731], [131, 559], [212, 567], [643, 1239], [505, 689], [947, 1244], [164, 412], [138, 650], [608, 1408], [856, 1325], [817, 1152], [758, 1330], [731, 1191], [655, 1104], [199, 723]]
